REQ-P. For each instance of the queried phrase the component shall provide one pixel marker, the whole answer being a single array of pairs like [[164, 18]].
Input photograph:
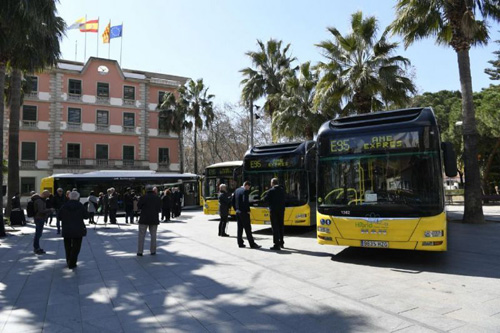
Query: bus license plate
[[267, 222], [374, 244]]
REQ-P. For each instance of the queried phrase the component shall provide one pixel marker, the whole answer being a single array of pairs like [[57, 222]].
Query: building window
[[160, 96], [128, 155], [162, 124], [33, 83], [73, 150], [101, 152], [102, 89], [102, 120], [29, 115], [27, 185], [75, 87], [28, 151], [129, 92], [163, 156], [128, 122], [74, 116]]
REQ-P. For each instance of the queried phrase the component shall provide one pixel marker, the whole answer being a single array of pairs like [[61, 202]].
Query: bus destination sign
[[275, 162], [376, 142], [215, 172]]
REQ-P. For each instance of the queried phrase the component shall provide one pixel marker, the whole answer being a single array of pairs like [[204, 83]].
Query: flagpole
[[109, 46], [97, 37], [85, 48], [121, 47], [76, 47]]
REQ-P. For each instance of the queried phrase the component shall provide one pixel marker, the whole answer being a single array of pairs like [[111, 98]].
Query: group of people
[[240, 200]]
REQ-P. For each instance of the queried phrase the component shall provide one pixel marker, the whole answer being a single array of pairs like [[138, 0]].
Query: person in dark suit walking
[[275, 199], [241, 204], [113, 205], [150, 206], [72, 214], [224, 206]]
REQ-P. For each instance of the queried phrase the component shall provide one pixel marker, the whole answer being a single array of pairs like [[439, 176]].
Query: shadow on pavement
[[472, 251], [114, 290]]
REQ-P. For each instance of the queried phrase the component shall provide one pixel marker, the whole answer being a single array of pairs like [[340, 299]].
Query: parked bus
[[228, 173], [380, 181], [100, 181], [294, 165]]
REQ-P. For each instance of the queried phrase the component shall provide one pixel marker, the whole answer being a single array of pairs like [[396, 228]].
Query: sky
[[208, 38]]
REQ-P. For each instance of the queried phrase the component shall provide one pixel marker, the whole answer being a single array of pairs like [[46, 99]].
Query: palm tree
[[362, 71], [173, 118], [30, 33], [199, 106], [297, 116], [454, 23], [271, 65]]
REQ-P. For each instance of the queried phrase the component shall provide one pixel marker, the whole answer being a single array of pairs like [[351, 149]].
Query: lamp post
[[251, 121]]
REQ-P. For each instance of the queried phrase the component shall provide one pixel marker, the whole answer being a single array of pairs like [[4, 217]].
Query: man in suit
[[275, 199], [241, 204]]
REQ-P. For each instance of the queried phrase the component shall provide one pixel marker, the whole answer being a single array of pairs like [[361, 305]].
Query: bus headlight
[[433, 233], [300, 216], [206, 206]]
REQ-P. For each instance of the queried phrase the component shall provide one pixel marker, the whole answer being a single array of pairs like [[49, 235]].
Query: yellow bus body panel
[[211, 207], [407, 234], [294, 216], [47, 183]]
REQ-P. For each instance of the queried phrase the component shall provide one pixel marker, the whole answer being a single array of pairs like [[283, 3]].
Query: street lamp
[[251, 121]]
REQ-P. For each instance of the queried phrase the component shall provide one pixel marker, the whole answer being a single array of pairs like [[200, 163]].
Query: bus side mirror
[[450, 159]]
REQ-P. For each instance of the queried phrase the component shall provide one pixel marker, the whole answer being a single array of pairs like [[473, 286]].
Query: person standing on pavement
[[136, 198], [150, 206], [275, 199], [59, 200], [92, 207], [49, 203], [166, 204], [72, 214], [41, 213], [224, 206], [113, 205], [241, 203], [128, 201]]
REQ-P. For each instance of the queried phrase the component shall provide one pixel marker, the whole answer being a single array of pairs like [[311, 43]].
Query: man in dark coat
[[224, 206], [166, 204], [150, 206], [241, 204], [41, 213], [58, 202], [128, 201], [72, 214], [275, 198]]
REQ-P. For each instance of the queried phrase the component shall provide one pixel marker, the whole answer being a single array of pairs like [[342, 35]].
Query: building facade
[[94, 116]]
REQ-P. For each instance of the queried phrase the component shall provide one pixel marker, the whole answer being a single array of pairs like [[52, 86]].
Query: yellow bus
[[294, 164], [100, 181], [228, 173], [380, 181]]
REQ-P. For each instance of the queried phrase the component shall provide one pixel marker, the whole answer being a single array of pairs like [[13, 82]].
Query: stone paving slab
[[199, 282]]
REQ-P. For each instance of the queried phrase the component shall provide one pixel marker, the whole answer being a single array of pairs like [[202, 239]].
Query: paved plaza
[[199, 282]]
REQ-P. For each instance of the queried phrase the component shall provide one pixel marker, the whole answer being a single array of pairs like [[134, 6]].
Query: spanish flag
[[90, 26], [105, 34]]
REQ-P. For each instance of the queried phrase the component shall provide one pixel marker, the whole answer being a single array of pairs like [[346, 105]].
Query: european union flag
[[116, 31]]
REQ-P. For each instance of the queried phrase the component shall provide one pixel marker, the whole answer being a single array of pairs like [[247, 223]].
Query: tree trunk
[[473, 208], [181, 151], [15, 110], [2, 110], [487, 168], [195, 147]]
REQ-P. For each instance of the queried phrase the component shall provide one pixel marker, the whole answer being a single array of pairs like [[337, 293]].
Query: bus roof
[[125, 174], [280, 148], [226, 164]]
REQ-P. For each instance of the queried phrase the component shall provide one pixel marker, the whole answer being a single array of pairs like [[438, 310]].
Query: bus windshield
[[212, 186], [400, 183], [293, 181]]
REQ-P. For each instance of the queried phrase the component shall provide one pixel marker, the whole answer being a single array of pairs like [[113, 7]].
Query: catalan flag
[[90, 26], [78, 23], [105, 34]]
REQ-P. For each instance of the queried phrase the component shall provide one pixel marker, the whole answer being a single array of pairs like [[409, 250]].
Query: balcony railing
[[102, 100], [164, 166], [128, 129], [31, 95], [102, 128], [74, 97], [30, 124], [90, 163], [28, 164], [129, 102], [74, 126]]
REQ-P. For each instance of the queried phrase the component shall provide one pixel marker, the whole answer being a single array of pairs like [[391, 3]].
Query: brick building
[[94, 116]]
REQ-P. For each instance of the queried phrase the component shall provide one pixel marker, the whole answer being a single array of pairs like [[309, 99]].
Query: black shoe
[[276, 248], [153, 253], [255, 246], [224, 235], [282, 245], [39, 251], [242, 245], [139, 254]]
